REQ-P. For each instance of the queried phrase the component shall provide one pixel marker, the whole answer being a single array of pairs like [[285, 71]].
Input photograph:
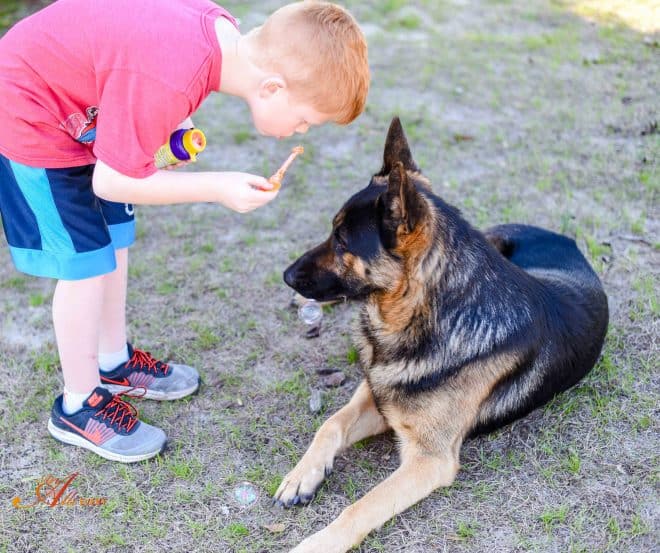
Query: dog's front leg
[[415, 479], [358, 419]]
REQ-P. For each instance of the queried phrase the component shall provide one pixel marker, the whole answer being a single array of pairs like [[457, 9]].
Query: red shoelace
[[120, 412], [144, 360]]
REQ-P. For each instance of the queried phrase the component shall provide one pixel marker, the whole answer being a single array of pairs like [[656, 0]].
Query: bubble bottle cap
[[185, 144], [310, 312], [194, 141]]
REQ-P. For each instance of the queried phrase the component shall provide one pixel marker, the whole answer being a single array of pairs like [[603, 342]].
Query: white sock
[[108, 361], [72, 401]]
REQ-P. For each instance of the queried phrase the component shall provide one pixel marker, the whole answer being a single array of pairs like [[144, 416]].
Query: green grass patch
[[466, 530], [36, 300], [296, 385], [235, 531], [554, 517], [47, 362], [353, 355]]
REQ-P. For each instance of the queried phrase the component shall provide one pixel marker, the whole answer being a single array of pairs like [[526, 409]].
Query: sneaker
[[108, 426], [160, 380]]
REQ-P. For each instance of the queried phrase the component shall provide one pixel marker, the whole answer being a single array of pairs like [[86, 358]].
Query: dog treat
[[276, 179]]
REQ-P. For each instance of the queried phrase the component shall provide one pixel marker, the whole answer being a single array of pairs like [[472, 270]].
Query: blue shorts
[[56, 227]]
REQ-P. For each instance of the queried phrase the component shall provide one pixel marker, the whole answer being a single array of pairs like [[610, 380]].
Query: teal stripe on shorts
[[36, 190]]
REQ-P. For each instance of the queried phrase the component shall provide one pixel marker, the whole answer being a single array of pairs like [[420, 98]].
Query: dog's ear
[[397, 149], [404, 205]]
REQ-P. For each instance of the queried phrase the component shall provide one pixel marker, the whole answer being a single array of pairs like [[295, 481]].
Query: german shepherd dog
[[461, 333]]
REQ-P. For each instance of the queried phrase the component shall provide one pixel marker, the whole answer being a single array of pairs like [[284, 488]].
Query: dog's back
[[544, 253], [573, 319]]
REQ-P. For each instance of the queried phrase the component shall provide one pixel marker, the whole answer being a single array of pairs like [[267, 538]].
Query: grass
[[538, 112], [235, 531], [466, 530], [294, 386], [550, 518], [641, 15], [352, 355]]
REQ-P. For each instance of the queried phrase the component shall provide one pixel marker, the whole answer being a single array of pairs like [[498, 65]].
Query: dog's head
[[377, 236]]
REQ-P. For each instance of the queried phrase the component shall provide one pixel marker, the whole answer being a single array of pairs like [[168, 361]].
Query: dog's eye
[[339, 239]]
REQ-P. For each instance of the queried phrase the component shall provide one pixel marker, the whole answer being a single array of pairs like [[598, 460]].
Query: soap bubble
[[245, 494], [310, 312]]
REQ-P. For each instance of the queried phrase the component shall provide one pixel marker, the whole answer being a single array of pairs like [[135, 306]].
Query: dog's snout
[[308, 276], [298, 276], [290, 275]]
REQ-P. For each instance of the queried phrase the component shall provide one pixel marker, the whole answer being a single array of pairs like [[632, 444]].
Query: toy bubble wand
[[183, 145]]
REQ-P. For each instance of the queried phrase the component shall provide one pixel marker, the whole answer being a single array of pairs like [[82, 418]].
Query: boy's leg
[[113, 315], [77, 307], [55, 229], [122, 366], [100, 421], [120, 219]]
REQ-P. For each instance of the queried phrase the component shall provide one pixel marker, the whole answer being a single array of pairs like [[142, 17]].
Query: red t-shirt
[[105, 79]]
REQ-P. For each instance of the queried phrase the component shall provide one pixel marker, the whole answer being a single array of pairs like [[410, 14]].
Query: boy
[[89, 90]]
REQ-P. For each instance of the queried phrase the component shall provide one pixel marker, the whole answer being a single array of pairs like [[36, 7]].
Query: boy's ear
[[271, 85], [397, 149], [404, 206]]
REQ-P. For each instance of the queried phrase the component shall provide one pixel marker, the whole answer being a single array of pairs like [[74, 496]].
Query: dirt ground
[[543, 112]]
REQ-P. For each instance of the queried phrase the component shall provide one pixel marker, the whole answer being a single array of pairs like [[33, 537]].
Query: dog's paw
[[300, 485]]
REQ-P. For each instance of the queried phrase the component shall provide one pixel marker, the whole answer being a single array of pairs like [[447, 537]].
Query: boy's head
[[320, 56]]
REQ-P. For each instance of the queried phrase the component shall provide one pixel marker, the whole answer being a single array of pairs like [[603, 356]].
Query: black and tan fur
[[460, 333]]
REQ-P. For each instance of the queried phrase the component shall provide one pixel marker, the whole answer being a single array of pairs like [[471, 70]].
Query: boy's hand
[[244, 192], [177, 165]]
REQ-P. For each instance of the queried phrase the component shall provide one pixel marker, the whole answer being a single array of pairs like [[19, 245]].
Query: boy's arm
[[237, 191]]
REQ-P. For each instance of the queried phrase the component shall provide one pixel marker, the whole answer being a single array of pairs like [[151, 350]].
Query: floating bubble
[[245, 494], [310, 312]]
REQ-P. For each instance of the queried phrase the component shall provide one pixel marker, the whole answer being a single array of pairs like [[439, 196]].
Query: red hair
[[321, 52]]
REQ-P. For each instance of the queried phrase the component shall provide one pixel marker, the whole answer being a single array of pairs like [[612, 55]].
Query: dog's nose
[[290, 275]]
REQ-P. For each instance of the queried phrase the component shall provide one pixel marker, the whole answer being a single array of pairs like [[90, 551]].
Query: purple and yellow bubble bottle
[[184, 145]]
